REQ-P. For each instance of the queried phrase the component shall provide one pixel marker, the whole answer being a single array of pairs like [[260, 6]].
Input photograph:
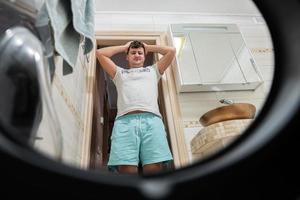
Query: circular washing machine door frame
[[227, 173]]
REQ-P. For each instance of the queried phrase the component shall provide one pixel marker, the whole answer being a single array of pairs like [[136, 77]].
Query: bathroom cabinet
[[213, 57]]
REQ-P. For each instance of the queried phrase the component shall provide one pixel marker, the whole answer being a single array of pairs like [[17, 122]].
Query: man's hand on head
[[146, 46], [126, 46]]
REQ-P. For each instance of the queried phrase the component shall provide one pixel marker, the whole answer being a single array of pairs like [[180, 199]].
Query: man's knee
[[150, 168], [127, 169]]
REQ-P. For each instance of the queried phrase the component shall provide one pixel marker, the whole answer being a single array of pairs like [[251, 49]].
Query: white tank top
[[137, 89]]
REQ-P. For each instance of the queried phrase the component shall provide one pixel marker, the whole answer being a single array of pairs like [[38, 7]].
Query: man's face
[[136, 57]]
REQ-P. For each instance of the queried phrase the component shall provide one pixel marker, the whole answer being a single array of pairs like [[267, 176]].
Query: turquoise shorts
[[138, 138]]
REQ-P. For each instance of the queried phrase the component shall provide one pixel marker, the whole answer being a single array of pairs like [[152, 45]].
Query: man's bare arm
[[167, 52], [104, 55]]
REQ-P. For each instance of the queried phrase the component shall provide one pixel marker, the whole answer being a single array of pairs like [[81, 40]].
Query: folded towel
[[70, 19]]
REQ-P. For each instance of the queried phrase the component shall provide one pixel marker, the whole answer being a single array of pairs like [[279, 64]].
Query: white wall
[[194, 105], [242, 7]]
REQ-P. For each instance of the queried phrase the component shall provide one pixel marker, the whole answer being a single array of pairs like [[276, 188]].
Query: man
[[138, 134]]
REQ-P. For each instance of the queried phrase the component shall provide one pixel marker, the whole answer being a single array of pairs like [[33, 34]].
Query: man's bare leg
[[152, 168], [127, 169]]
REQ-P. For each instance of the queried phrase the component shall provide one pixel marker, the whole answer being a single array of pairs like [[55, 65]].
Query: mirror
[[213, 57], [215, 69]]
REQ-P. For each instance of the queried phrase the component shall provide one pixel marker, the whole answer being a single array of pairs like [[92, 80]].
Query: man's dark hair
[[135, 45]]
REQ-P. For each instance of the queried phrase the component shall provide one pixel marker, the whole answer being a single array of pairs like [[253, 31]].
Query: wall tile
[[161, 27], [197, 96], [195, 109], [131, 19], [101, 18], [263, 60], [132, 27], [254, 30], [267, 87], [251, 94], [102, 27], [258, 42], [267, 73]]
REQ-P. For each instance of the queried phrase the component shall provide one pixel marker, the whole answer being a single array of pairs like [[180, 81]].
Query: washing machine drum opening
[[20, 106]]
